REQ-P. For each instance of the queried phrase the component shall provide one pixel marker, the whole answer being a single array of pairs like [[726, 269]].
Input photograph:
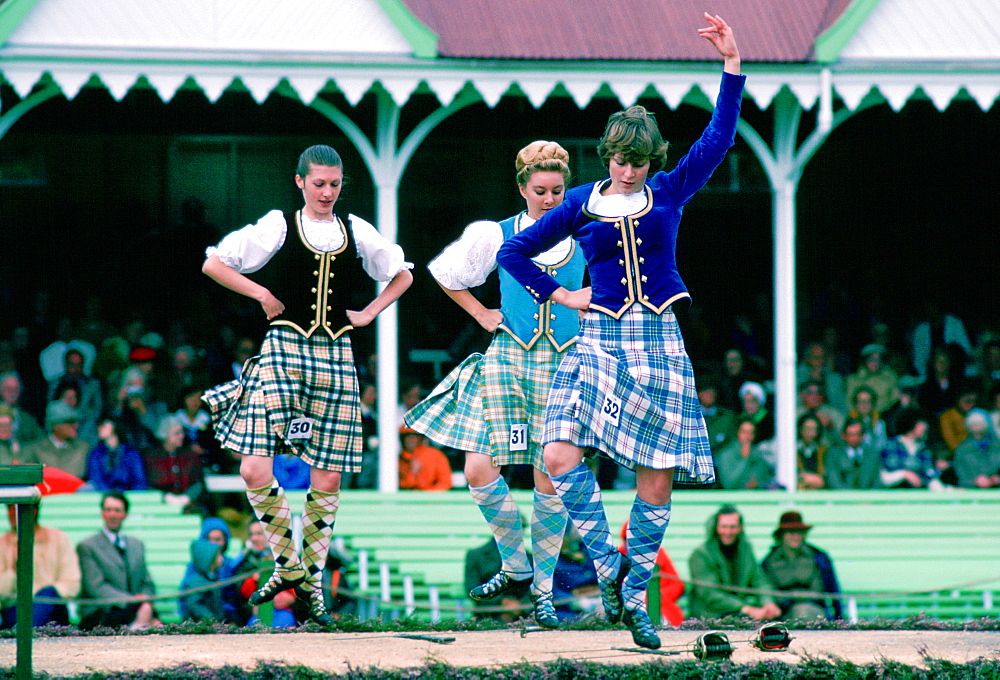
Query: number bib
[[519, 437], [300, 428], [611, 409]]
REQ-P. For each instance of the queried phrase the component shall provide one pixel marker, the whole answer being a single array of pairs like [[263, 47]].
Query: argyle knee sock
[[318, 517], [582, 498], [646, 526], [548, 523], [498, 507], [270, 505]]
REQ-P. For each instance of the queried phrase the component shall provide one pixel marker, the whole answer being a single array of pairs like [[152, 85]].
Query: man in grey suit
[[852, 465], [114, 567]]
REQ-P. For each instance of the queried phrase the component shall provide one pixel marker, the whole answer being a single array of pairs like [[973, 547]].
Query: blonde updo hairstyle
[[634, 135], [541, 156]]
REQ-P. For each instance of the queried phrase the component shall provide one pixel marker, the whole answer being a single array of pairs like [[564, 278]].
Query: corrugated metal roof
[[921, 30], [630, 30]]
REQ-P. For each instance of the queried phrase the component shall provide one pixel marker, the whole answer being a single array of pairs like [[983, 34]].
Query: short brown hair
[[634, 135]]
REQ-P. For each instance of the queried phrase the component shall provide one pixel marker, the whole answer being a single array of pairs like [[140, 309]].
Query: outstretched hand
[[720, 34]]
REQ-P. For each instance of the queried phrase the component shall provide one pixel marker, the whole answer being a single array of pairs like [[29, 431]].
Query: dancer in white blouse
[[300, 395]]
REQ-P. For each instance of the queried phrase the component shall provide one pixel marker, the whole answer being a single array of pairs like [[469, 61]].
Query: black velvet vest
[[314, 286]]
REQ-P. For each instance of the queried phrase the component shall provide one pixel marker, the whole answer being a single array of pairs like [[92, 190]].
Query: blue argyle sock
[[582, 498], [646, 526], [548, 522], [498, 507]]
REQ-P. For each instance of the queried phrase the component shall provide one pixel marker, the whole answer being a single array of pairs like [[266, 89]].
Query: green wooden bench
[[897, 553], [883, 544]]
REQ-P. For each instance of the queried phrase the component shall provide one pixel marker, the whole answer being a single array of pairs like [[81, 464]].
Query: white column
[[388, 351], [784, 331]]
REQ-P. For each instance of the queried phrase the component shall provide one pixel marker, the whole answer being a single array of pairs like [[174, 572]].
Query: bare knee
[[325, 480], [654, 486], [257, 471], [561, 457], [479, 469]]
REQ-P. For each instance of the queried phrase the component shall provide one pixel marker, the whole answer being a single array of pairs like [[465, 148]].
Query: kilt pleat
[[293, 377], [492, 403], [452, 414], [626, 388]]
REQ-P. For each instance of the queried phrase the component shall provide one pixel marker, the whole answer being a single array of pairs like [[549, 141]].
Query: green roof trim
[[830, 43], [12, 13], [422, 39]]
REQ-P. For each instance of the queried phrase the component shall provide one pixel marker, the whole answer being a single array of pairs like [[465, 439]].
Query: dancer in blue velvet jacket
[[626, 388]]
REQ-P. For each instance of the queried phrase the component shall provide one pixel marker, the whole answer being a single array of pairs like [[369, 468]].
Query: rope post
[[18, 488]]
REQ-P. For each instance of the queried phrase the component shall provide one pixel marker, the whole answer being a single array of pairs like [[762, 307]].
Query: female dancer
[[300, 395], [491, 406], [626, 388]]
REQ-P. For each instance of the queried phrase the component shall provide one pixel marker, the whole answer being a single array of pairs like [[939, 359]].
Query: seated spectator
[[721, 421], [113, 464], [852, 464], [52, 358], [741, 464], [175, 469], [26, 428], [197, 424], [136, 410], [422, 467], [215, 530], [10, 447], [184, 375], [977, 459], [816, 366], [735, 373], [812, 401], [205, 603], [754, 400], [726, 559], [863, 410], [671, 587], [937, 392], [909, 390], [875, 374], [113, 567], [62, 449], [952, 421], [907, 463], [810, 452], [410, 394], [794, 564], [91, 399], [56, 573]]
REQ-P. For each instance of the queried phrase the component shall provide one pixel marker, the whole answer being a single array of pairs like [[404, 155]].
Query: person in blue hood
[[203, 570], [216, 531]]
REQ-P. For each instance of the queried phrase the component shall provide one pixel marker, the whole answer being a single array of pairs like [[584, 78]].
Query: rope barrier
[[398, 604]]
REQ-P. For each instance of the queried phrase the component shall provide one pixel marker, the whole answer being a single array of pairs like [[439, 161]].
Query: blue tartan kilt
[[452, 414], [299, 396], [626, 389]]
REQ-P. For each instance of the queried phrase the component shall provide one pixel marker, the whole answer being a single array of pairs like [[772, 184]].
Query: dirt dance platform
[[337, 652]]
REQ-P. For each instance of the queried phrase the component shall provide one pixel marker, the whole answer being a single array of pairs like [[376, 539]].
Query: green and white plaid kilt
[[626, 388], [293, 377], [492, 404]]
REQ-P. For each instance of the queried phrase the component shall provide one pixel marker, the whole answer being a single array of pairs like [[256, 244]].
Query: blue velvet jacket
[[632, 258]]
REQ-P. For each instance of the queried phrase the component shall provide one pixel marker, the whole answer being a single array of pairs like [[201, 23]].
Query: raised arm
[[719, 33]]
